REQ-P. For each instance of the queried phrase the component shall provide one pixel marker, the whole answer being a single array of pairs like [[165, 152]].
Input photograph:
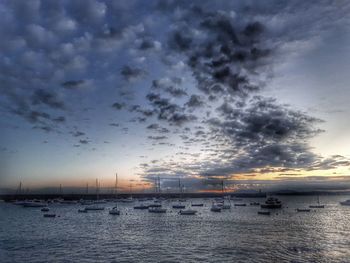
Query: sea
[[238, 234]]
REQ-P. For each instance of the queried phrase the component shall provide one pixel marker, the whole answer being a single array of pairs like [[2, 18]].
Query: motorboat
[[188, 212], [157, 210], [303, 210], [267, 213], [82, 210], [215, 208], [114, 211], [45, 209], [347, 202], [272, 203], [254, 203], [242, 204]]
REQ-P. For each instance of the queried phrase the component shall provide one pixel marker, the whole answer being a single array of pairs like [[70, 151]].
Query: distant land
[[92, 196]]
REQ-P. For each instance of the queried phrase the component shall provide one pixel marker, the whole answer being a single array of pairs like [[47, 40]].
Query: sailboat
[[95, 207], [115, 210], [178, 205], [224, 206], [318, 204]]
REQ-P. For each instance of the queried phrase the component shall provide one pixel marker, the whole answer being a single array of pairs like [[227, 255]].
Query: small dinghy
[[179, 206], [114, 211], [346, 202], [303, 210], [267, 213], [45, 209], [82, 210], [188, 212], [49, 215], [240, 204], [197, 204], [157, 210], [141, 207], [215, 208], [254, 203], [94, 208]]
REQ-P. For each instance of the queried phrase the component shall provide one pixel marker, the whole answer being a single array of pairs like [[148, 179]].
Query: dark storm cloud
[[168, 111], [129, 73], [73, 84], [118, 106], [170, 85], [226, 56], [49, 98], [78, 133], [59, 119], [84, 141], [195, 101]]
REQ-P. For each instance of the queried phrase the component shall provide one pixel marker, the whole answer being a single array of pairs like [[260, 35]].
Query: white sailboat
[[318, 204]]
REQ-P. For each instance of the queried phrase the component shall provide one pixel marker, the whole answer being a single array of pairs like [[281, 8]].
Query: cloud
[[73, 84], [49, 98], [130, 74], [195, 101], [118, 106]]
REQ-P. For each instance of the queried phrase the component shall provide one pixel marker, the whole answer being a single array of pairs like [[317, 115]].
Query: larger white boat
[[346, 202]]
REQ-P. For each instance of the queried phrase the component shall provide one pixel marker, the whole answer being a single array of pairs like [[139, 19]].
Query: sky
[[251, 92]]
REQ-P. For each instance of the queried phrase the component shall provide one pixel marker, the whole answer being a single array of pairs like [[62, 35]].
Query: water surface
[[236, 235]]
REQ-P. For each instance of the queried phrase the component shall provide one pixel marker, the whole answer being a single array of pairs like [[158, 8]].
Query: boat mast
[[116, 185], [222, 188], [97, 190]]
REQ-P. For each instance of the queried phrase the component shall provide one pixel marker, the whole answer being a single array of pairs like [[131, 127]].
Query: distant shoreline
[[9, 197]]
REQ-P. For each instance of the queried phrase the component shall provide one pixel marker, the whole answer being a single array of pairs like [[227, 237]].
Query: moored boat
[[94, 208], [188, 212], [346, 202], [179, 206], [272, 203], [303, 210], [264, 213], [114, 211], [157, 210], [215, 208], [49, 215]]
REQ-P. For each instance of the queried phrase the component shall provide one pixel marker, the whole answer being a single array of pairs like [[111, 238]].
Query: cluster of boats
[[154, 205]]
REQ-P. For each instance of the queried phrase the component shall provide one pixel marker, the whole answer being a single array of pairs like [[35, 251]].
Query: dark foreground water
[[237, 235]]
